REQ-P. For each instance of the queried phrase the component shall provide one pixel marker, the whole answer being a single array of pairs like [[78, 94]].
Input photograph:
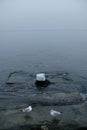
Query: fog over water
[[43, 35]]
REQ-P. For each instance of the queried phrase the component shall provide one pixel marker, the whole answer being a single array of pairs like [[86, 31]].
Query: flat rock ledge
[[56, 99], [66, 93]]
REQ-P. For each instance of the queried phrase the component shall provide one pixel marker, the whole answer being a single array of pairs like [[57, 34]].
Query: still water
[[43, 36]]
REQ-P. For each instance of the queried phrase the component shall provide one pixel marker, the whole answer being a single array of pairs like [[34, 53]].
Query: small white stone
[[28, 109], [40, 77], [54, 113]]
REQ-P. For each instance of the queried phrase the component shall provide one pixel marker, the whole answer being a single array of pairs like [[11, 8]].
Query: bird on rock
[[28, 109], [55, 113]]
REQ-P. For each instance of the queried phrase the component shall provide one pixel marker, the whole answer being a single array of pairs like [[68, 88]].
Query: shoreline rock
[[65, 93]]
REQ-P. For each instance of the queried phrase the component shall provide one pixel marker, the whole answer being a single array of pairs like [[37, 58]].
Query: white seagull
[[55, 113], [28, 109]]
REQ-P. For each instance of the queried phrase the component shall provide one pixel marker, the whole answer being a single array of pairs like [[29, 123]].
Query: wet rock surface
[[65, 93]]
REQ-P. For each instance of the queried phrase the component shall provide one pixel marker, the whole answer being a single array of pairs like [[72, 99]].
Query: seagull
[[28, 109], [55, 113]]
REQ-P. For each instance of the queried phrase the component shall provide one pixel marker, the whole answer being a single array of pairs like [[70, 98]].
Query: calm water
[[44, 35]]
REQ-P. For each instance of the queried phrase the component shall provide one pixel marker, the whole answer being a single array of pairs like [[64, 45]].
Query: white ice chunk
[[40, 77]]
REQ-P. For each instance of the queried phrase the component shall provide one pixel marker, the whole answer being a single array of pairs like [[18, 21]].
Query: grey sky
[[43, 14]]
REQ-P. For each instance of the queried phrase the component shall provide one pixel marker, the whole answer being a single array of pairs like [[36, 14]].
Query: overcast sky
[[43, 14]]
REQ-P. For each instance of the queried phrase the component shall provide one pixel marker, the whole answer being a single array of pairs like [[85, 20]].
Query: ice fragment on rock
[[40, 77]]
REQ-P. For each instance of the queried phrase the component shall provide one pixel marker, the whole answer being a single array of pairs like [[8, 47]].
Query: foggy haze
[[43, 14], [40, 35]]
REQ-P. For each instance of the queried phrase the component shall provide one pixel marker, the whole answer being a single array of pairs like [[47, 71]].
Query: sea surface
[[43, 36]]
